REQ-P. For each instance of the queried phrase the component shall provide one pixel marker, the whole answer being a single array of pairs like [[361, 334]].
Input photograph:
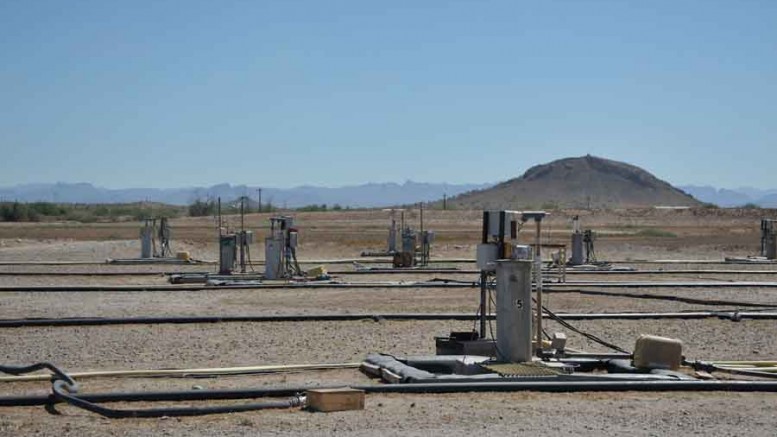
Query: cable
[[56, 371], [591, 337], [491, 328]]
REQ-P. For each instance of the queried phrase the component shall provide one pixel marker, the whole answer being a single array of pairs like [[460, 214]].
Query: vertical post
[[421, 234], [392, 238], [538, 267], [421, 207], [484, 282], [444, 202], [242, 240], [219, 213], [502, 253], [259, 193], [221, 250], [146, 250]]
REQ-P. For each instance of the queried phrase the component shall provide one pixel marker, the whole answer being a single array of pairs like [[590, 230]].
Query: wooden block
[[335, 399]]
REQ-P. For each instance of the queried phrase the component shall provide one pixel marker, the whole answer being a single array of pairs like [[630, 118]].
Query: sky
[[291, 92]]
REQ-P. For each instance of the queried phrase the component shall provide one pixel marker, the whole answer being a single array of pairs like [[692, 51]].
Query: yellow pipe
[[750, 363], [759, 369], [186, 372]]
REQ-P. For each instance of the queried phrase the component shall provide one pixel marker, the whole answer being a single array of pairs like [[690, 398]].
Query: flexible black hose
[[61, 392], [64, 389]]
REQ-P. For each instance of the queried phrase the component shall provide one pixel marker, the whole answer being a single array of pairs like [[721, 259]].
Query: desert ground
[[74, 254]]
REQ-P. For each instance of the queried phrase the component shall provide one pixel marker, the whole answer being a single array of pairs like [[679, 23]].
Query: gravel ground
[[238, 344], [600, 414]]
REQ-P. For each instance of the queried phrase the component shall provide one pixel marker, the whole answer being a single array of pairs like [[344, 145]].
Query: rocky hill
[[584, 182]]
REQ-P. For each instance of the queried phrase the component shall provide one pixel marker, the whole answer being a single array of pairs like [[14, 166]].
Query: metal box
[[245, 238], [486, 257], [227, 253], [578, 257], [511, 217], [409, 241], [146, 242], [654, 352], [335, 399], [770, 251], [513, 311], [521, 251], [273, 258], [293, 239]]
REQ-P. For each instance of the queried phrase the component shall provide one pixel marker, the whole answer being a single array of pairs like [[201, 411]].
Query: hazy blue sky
[[280, 93]]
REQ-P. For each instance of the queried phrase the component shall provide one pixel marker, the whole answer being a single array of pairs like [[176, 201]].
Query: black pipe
[[388, 261], [264, 286], [100, 321], [364, 285], [86, 273], [575, 386], [415, 271], [669, 297], [61, 393], [663, 284], [438, 387]]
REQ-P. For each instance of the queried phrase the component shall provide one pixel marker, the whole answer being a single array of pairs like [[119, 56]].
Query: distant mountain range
[[727, 197], [367, 195]]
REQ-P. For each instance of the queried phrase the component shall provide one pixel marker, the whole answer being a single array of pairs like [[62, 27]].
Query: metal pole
[[421, 206], [242, 236], [538, 268], [221, 254], [483, 297], [219, 213], [423, 237], [484, 282]]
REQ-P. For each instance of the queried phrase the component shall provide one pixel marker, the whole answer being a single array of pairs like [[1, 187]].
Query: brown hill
[[585, 182]]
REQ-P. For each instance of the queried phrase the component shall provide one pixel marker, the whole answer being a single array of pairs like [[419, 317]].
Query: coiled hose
[[65, 387]]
